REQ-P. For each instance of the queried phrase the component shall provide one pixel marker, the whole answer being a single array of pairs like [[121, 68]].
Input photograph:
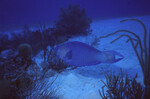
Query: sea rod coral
[[142, 50]]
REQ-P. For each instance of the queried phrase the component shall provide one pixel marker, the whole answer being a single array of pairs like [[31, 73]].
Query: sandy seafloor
[[84, 82]]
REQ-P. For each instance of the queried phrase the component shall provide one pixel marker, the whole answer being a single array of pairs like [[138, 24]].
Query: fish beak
[[113, 56], [118, 56]]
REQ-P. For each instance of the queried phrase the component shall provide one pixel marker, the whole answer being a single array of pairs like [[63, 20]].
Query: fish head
[[110, 56]]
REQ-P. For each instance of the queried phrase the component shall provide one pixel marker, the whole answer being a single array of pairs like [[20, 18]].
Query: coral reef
[[23, 83], [3, 42], [6, 90], [120, 87], [25, 50], [73, 21], [142, 50]]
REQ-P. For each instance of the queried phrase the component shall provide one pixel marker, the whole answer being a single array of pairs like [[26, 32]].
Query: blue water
[[17, 13]]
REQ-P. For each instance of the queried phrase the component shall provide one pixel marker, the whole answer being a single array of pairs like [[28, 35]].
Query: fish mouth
[[112, 56], [118, 56]]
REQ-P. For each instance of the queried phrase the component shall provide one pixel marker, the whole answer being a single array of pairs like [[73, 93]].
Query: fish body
[[76, 53]]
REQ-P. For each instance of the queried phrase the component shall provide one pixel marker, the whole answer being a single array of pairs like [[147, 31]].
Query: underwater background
[[75, 49], [17, 13]]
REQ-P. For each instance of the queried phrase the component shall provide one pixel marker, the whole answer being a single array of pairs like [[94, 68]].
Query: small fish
[[76, 53]]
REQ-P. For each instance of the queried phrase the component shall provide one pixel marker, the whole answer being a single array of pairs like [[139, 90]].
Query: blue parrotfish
[[76, 53]]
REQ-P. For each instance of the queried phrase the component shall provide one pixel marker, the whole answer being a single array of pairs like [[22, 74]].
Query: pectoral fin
[[69, 55]]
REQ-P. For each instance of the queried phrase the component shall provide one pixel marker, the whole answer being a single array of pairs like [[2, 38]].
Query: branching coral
[[72, 21], [120, 87], [143, 55], [41, 89], [53, 62]]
